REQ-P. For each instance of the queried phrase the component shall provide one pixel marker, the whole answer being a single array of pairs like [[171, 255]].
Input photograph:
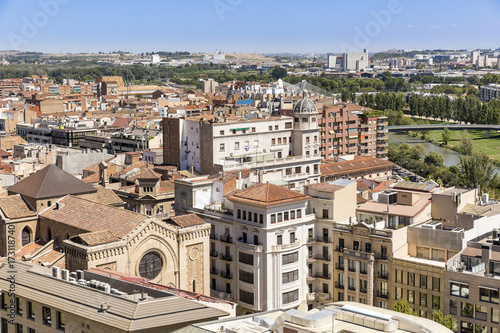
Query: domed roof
[[305, 105]]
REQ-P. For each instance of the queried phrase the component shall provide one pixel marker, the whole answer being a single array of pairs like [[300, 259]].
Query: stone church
[[86, 227]]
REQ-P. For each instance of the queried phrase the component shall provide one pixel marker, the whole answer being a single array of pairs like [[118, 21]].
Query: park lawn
[[489, 146]]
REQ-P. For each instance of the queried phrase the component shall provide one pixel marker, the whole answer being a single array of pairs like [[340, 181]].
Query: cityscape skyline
[[237, 26]]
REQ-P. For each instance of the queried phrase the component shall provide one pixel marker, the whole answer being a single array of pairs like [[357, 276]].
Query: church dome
[[305, 105]]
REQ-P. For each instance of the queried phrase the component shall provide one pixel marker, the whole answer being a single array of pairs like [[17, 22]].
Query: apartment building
[[225, 142], [348, 129], [489, 92], [46, 300], [472, 285]]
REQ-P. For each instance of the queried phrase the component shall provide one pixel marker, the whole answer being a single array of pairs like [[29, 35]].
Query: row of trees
[[469, 109], [448, 321]]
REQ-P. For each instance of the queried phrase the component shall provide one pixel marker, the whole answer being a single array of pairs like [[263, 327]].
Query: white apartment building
[[209, 144], [269, 245]]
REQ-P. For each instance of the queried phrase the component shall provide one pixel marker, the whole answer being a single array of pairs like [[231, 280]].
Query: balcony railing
[[226, 239], [214, 236], [226, 275], [383, 294], [214, 271], [214, 254], [339, 249], [324, 257], [339, 285], [226, 257], [321, 275], [339, 267], [384, 276], [319, 239]]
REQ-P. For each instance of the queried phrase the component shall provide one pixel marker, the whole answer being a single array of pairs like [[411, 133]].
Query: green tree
[[401, 305], [466, 144], [446, 135], [417, 151], [278, 72], [476, 169], [447, 321], [433, 158]]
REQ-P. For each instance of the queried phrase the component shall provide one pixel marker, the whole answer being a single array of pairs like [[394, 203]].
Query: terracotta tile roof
[[92, 179], [90, 216], [145, 173], [382, 186], [167, 185], [95, 238], [356, 165], [50, 256], [131, 167], [14, 207], [362, 186], [29, 249], [50, 182], [122, 122], [95, 167], [185, 221], [267, 195], [360, 199], [325, 187], [4, 153], [104, 196]]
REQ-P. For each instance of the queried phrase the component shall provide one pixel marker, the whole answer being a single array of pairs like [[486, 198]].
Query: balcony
[[214, 236], [227, 295], [290, 246], [311, 297], [214, 271], [321, 240], [323, 257], [226, 257], [383, 294], [383, 275], [339, 267], [339, 249], [352, 288], [214, 254], [382, 130], [339, 285], [249, 246], [226, 239], [359, 254], [363, 290], [322, 275], [226, 275]]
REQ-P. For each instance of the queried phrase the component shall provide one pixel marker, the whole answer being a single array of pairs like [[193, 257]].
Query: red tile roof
[[90, 216], [185, 221], [267, 195], [14, 207]]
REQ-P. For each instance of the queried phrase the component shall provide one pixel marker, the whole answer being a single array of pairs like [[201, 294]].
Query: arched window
[[307, 170], [194, 286], [26, 236], [150, 265], [49, 234]]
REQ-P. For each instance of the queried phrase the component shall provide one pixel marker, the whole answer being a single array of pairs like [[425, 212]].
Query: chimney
[[103, 174], [239, 181], [486, 255]]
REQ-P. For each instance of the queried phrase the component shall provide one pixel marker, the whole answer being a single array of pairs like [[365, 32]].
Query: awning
[[243, 128]]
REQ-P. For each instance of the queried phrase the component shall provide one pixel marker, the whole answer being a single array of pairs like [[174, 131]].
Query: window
[[26, 236], [221, 147], [299, 213], [221, 132], [31, 310], [280, 217], [244, 215], [255, 143], [488, 295], [355, 245], [411, 296], [261, 218], [238, 213], [422, 252], [308, 140], [253, 129], [363, 285], [481, 312], [236, 145], [436, 284], [290, 276], [19, 306], [459, 289], [467, 310], [47, 316], [5, 325], [273, 142], [270, 128], [423, 299], [423, 281], [246, 277], [438, 254], [61, 323], [279, 141], [494, 315], [351, 264], [273, 218], [291, 296], [284, 141], [368, 247], [411, 279], [285, 216], [246, 258], [150, 265], [399, 276], [279, 240], [436, 302], [351, 283], [19, 328], [276, 127], [246, 297], [292, 237], [290, 258], [362, 267], [4, 301], [453, 307], [399, 292]]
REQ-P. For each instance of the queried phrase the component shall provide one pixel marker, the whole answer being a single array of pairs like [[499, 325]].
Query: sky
[[261, 26]]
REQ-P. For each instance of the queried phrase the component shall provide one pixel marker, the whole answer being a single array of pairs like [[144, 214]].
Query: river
[[450, 157]]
